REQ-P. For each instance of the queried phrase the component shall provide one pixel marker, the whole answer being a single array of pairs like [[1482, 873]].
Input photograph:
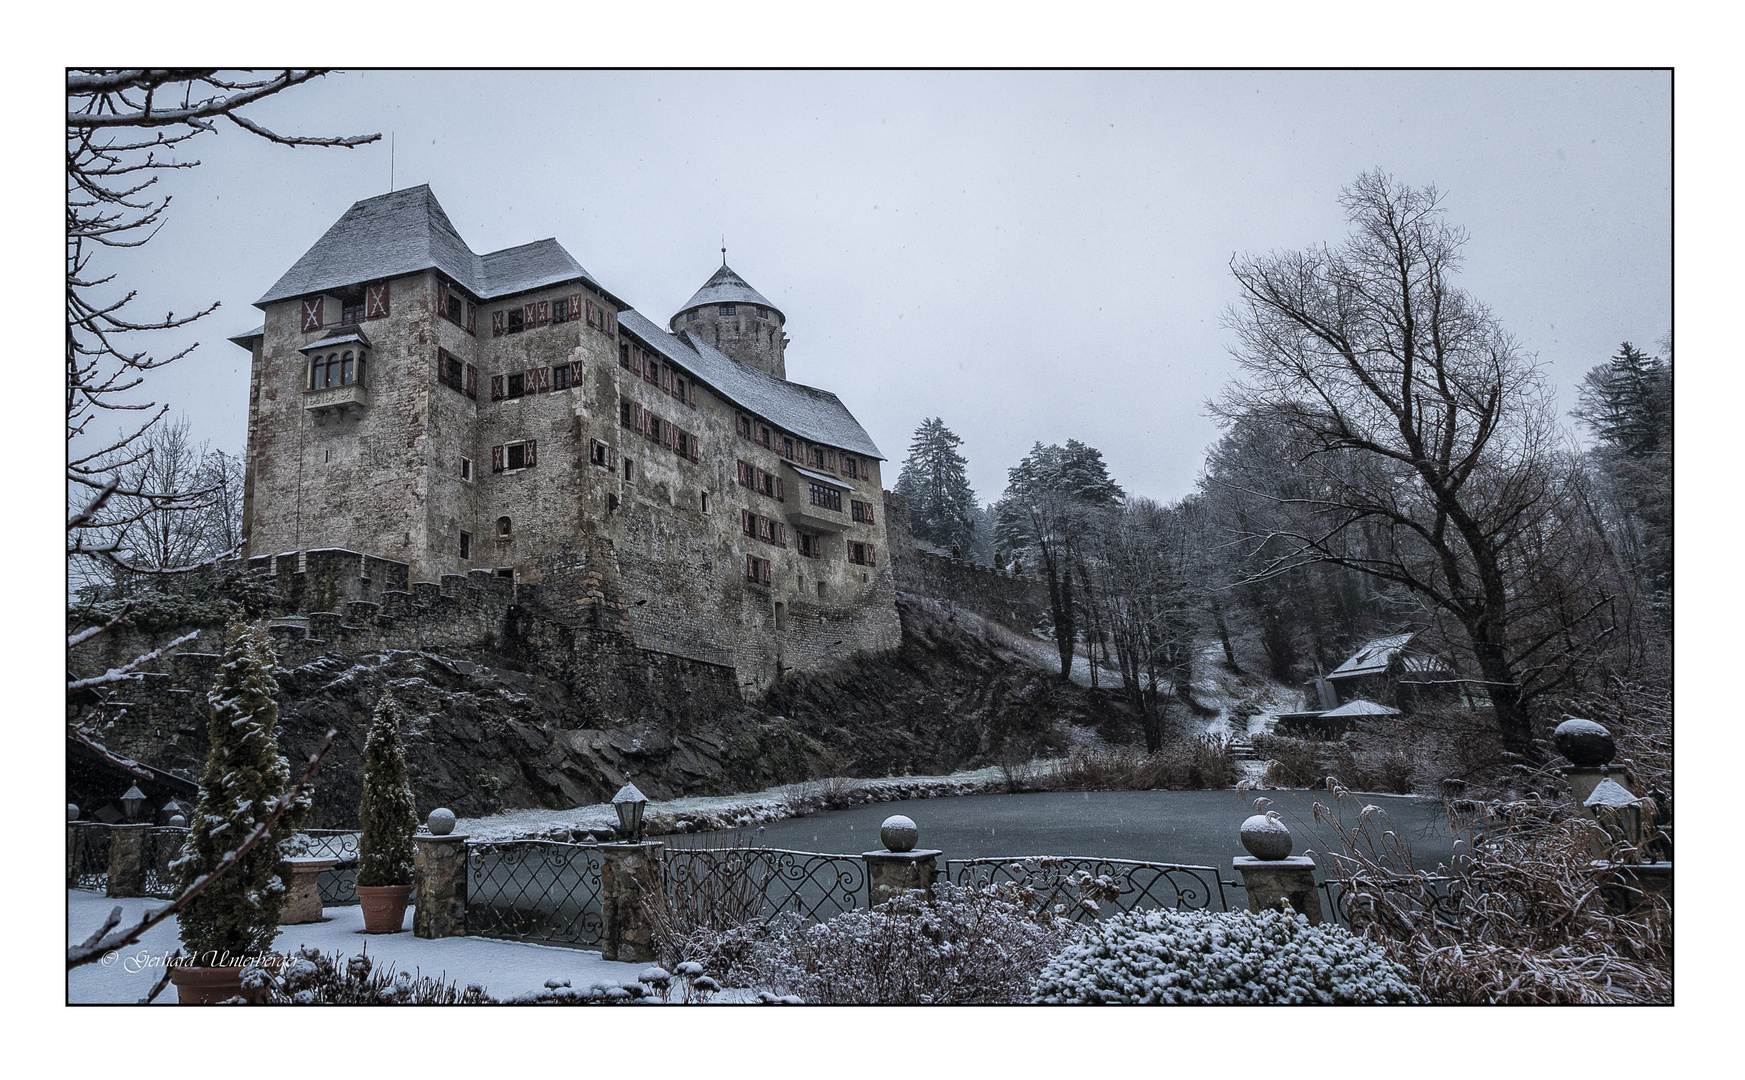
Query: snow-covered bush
[[238, 913], [966, 946], [1218, 958], [386, 810], [316, 979]]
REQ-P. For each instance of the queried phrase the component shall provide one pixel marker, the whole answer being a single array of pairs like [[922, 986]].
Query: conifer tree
[[238, 913], [387, 812], [942, 506]]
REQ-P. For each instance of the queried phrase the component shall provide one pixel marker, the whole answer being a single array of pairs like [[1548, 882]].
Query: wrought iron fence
[[1138, 885], [88, 862], [535, 890], [1352, 904], [162, 845], [760, 883], [338, 884]]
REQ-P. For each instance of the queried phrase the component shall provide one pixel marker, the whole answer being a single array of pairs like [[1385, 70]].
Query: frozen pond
[[1192, 827]]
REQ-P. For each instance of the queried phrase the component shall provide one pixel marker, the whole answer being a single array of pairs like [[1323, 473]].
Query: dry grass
[[1376, 761], [1192, 764], [1531, 923]]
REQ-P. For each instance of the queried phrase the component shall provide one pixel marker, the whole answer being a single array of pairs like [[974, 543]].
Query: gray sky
[[1030, 256]]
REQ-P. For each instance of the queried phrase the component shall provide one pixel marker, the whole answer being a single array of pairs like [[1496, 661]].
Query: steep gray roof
[[810, 413], [727, 287], [406, 231]]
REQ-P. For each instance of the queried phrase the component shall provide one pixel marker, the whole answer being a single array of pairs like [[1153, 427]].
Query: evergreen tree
[[942, 507], [1628, 402], [238, 913], [386, 812]]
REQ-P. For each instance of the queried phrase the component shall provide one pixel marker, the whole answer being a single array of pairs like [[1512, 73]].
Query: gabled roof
[[810, 413], [727, 287], [1372, 658], [406, 231]]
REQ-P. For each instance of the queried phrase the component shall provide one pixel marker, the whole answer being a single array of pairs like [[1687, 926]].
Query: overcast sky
[[1029, 256]]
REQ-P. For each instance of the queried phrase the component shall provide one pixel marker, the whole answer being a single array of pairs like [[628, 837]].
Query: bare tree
[[125, 128], [1425, 426]]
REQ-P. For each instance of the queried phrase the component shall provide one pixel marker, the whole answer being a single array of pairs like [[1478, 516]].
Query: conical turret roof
[[727, 287]]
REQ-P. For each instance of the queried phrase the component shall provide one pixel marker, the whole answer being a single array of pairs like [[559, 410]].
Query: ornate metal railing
[[88, 863], [1352, 903], [535, 890], [756, 884], [338, 885], [162, 845], [1137, 885]]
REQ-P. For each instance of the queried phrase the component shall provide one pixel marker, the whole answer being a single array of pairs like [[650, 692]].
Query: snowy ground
[[504, 968]]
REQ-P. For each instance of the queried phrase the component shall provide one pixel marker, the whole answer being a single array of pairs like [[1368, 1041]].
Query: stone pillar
[[127, 860], [891, 873], [303, 904], [72, 855], [1267, 881], [625, 870], [439, 893], [1582, 779]]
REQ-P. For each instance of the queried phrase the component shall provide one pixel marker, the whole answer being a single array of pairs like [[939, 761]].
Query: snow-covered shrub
[[386, 810], [238, 913], [1222, 958], [316, 979], [965, 946]]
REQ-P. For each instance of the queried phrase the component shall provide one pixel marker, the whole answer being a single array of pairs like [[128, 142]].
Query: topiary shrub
[[1214, 958], [237, 915], [386, 811]]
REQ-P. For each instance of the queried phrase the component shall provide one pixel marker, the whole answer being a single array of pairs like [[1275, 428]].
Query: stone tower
[[735, 318]]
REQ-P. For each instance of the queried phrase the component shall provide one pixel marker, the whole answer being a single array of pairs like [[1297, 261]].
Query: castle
[[434, 414]]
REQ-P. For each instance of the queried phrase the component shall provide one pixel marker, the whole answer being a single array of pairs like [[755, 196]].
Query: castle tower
[[735, 318]]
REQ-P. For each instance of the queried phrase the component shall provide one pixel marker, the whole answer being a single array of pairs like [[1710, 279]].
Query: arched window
[[502, 526], [331, 378], [346, 372], [315, 369]]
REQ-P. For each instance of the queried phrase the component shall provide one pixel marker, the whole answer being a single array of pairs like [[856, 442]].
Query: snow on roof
[[1374, 656], [245, 339], [727, 287], [820, 477], [810, 413], [1611, 794], [406, 231], [347, 338], [1360, 707]]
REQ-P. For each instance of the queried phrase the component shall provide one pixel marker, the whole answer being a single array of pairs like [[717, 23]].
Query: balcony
[[336, 402]]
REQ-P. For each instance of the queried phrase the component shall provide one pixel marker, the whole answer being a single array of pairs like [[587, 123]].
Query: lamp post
[[172, 809], [629, 804], [133, 802]]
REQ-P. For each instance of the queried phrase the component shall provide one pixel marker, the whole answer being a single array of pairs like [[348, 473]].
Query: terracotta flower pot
[[384, 907], [205, 985]]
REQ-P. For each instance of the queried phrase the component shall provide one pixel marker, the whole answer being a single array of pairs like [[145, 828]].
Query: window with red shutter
[[760, 481], [542, 313], [496, 388], [376, 301], [441, 297], [497, 323], [780, 489], [696, 450], [666, 379], [747, 523], [593, 314], [781, 534], [312, 314], [472, 318], [575, 305], [691, 394], [496, 459], [766, 571], [870, 561], [472, 381], [612, 322]]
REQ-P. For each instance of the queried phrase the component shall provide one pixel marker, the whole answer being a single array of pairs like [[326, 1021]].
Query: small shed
[[1334, 722], [1365, 674]]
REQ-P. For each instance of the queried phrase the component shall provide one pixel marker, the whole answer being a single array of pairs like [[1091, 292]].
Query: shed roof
[[1360, 707], [806, 411], [727, 287], [406, 231]]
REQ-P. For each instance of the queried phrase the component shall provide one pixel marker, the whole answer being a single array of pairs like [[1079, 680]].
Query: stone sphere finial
[[1586, 744], [72, 812], [1265, 837], [177, 821], [441, 821], [899, 833]]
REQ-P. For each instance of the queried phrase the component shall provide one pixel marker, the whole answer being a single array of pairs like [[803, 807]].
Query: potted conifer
[[236, 917], [388, 817]]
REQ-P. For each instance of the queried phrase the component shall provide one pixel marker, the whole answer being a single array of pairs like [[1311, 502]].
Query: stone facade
[[535, 426], [1018, 600]]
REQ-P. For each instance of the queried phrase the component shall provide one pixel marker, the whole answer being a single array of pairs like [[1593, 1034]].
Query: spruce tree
[[238, 913], [942, 506], [386, 812]]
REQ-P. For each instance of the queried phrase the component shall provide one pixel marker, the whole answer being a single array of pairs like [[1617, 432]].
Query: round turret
[[730, 315]]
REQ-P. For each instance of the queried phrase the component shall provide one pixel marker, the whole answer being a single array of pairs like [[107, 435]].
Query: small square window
[[560, 377], [466, 471], [517, 385], [516, 456], [517, 320], [763, 313], [629, 470], [728, 309], [466, 545]]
